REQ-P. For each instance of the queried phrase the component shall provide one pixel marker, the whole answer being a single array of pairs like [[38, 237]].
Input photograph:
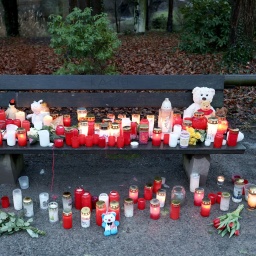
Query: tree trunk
[[72, 5], [116, 18], [170, 17], [11, 17], [242, 20], [97, 6], [141, 26]]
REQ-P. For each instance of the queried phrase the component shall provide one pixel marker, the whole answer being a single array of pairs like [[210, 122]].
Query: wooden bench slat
[[114, 82]]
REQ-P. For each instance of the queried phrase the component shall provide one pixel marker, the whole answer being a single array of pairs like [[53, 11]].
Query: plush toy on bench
[[110, 223], [11, 110], [206, 108], [37, 115], [200, 94]]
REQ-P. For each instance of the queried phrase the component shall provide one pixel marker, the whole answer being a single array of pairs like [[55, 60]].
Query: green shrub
[[206, 26], [159, 22], [85, 43]]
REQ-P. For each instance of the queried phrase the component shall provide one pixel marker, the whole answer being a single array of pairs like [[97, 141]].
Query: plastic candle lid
[[134, 144]]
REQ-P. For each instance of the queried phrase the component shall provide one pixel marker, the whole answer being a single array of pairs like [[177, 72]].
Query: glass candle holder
[[17, 199], [141, 203], [68, 136], [220, 180], [115, 130], [28, 207], [252, 198], [178, 194], [246, 190], [198, 196], [128, 207], [87, 200], [44, 200], [83, 128], [91, 128], [67, 219], [22, 137], [53, 212], [67, 201], [161, 196], [81, 139], [194, 181], [156, 137], [134, 193], [157, 184], [148, 191], [232, 137], [100, 209], [85, 217], [154, 209], [184, 139], [224, 202], [173, 139], [114, 196], [175, 209], [238, 191], [78, 198], [205, 208], [114, 207], [186, 124], [222, 124]]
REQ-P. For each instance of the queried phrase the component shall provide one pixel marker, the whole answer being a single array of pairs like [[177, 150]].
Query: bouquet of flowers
[[33, 136], [228, 223], [195, 135]]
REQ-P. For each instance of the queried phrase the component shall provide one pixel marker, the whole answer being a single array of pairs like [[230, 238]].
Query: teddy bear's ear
[[212, 91], [102, 216], [114, 214], [195, 89]]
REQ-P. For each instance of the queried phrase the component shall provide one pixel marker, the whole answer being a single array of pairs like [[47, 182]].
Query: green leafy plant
[[206, 26], [159, 22], [229, 223], [84, 43], [10, 223]]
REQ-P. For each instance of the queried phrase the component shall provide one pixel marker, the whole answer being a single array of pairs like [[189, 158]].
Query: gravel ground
[[139, 235]]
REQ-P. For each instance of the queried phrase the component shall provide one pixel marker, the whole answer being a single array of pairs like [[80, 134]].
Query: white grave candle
[[17, 199], [194, 181], [173, 139], [177, 129], [44, 199], [44, 138], [11, 138], [104, 197]]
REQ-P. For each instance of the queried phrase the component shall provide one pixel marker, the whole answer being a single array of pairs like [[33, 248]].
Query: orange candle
[[22, 137]]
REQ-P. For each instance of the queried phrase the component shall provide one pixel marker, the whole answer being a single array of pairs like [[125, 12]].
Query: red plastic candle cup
[[81, 139], [8, 121], [114, 196], [157, 184], [111, 141], [67, 219], [17, 122], [245, 182], [22, 137], [5, 202], [175, 209], [89, 141], [218, 198], [232, 137], [102, 142], [60, 130], [134, 130], [154, 209], [67, 120], [26, 125], [148, 191], [87, 200], [1, 139], [235, 177], [205, 208], [2, 114], [68, 136], [100, 209], [58, 142], [95, 199], [78, 198], [212, 197], [141, 203], [218, 139], [75, 142], [120, 142], [198, 196], [95, 139], [75, 132], [2, 125], [91, 127], [166, 138]]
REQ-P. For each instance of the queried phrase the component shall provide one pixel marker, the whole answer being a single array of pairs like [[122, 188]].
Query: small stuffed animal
[[110, 223], [206, 108], [199, 94], [36, 107], [221, 111], [12, 110]]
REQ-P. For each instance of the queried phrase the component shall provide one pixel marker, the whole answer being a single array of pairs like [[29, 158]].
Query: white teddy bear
[[199, 94]]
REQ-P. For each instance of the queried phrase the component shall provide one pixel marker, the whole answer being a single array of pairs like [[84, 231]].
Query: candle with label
[[198, 196], [224, 201], [85, 217], [53, 212], [156, 137], [161, 195], [154, 209], [128, 207], [220, 180]]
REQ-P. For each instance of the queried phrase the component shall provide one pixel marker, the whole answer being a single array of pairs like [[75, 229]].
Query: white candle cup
[[53, 212], [194, 181], [38, 124], [47, 120], [44, 199], [207, 143], [44, 138], [173, 139], [11, 138], [104, 197], [24, 182], [17, 199], [177, 129]]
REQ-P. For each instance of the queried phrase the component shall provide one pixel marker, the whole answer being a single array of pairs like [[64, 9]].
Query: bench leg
[[199, 164], [10, 168]]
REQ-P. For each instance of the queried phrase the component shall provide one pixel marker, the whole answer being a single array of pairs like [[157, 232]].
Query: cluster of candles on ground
[[241, 187], [121, 131]]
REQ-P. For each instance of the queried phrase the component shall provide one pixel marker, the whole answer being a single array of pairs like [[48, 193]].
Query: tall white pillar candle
[[173, 139], [11, 138], [104, 197], [43, 199], [17, 199], [44, 138], [194, 181]]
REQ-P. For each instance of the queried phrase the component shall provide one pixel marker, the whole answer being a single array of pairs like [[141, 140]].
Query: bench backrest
[[107, 91]]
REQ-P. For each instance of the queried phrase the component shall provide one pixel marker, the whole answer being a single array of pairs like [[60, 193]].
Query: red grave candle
[[17, 122], [89, 141], [114, 207], [75, 142], [212, 197], [141, 203], [205, 208], [2, 125], [198, 196], [232, 137], [1, 139], [102, 142], [58, 142], [22, 137], [177, 118], [156, 138], [5, 202], [134, 193], [68, 136], [199, 121], [134, 130], [127, 135], [148, 191], [9, 121], [95, 139], [100, 209], [157, 184], [114, 196], [91, 127], [67, 219], [111, 141], [166, 138], [81, 139], [175, 210], [67, 120], [154, 209], [120, 142], [60, 130], [87, 200], [218, 139], [95, 199], [78, 198], [26, 125], [2, 114], [218, 197]]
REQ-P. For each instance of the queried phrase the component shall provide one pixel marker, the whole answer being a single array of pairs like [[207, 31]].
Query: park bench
[[135, 92]]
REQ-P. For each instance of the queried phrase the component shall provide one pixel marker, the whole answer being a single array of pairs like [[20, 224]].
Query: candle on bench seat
[[156, 137], [67, 120], [26, 125], [22, 137]]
